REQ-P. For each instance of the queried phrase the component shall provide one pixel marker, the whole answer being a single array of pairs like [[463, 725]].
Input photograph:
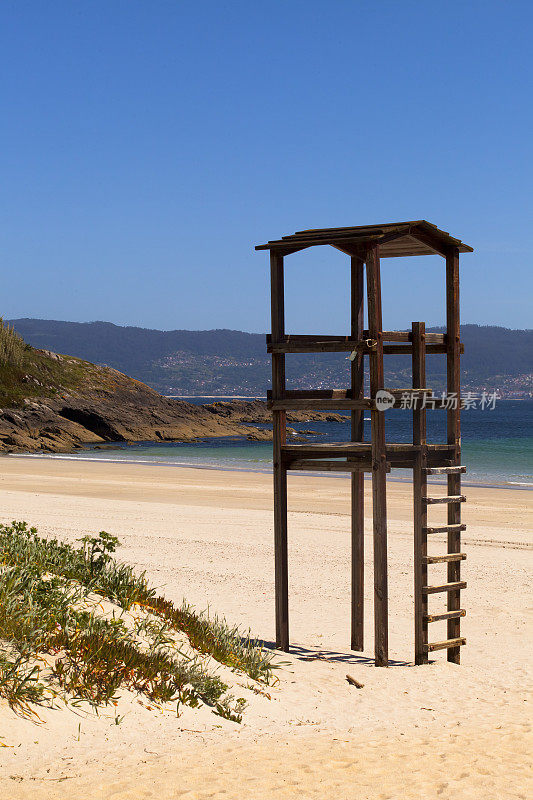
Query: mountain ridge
[[223, 360]]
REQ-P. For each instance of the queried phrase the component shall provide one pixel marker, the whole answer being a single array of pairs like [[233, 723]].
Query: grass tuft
[[12, 346]]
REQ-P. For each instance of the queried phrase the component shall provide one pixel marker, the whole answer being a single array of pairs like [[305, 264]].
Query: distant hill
[[233, 362]]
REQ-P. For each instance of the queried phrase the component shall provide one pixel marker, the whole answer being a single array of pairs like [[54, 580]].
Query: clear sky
[[147, 145]]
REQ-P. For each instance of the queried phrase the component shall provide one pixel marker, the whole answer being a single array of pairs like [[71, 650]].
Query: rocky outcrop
[[109, 407], [91, 405]]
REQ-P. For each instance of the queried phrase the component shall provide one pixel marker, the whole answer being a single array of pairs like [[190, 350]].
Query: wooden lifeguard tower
[[367, 245]]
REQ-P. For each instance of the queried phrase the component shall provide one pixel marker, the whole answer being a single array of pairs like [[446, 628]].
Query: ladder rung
[[446, 645], [447, 615], [444, 470], [446, 529], [445, 587], [454, 498], [447, 558]]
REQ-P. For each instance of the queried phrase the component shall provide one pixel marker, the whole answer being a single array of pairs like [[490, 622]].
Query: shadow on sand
[[319, 654]]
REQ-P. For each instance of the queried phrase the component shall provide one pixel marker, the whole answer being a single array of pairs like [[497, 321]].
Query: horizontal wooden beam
[[446, 615], [358, 453], [350, 448], [342, 394], [387, 336], [447, 528], [407, 349], [444, 587], [444, 559], [407, 336], [319, 465], [310, 241], [337, 399], [314, 394], [319, 345], [455, 470], [344, 344], [448, 500], [459, 642]]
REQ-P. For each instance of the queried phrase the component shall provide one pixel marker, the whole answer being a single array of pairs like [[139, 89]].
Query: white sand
[[412, 732]]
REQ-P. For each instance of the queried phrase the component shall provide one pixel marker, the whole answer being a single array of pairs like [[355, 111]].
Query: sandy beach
[[440, 730]]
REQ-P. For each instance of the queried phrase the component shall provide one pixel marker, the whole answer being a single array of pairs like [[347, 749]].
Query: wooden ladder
[[453, 500]]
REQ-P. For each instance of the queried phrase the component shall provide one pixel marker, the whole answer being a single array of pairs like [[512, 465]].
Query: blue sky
[[147, 145]]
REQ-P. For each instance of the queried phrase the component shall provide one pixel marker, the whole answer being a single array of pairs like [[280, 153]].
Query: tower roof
[[415, 238]]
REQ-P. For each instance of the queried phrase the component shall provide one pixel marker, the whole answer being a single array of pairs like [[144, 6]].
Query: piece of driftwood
[[353, 682]]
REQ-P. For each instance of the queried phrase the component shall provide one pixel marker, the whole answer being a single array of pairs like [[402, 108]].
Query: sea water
[[496, 444]]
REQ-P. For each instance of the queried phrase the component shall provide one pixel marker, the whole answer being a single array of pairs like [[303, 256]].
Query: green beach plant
[[98, 549], [58, 640]]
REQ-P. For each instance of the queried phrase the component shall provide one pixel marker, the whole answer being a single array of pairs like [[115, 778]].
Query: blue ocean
[[497, 444]]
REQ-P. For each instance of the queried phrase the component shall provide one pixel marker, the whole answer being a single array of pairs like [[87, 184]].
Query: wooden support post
[[379, 466], [280, 471], [357, 435], [454, 438], [420, 491]]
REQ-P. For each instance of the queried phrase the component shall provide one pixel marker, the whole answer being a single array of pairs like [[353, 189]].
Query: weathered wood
[[446, 615], [450, 499], [317, 465], [301, 400], [445, 470], [321, 404], [407, 349], [357, 614], [418, 335], [313, 394], [445, 558], [432, 242], [447, 529], [344, 449], [445, 587], [325, 233], [344, 394], [358, 335], [407, 336], [415, 237], [454, 438], [280, 473], [370, 243], [455, 643], [379, 486], [314, 458], [344, 344], [354, 682], [317, 346]]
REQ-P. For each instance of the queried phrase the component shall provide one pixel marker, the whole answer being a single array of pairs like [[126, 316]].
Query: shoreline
[[514, 485]]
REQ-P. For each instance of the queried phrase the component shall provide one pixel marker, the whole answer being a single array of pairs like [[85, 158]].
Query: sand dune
[[410, 732]]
